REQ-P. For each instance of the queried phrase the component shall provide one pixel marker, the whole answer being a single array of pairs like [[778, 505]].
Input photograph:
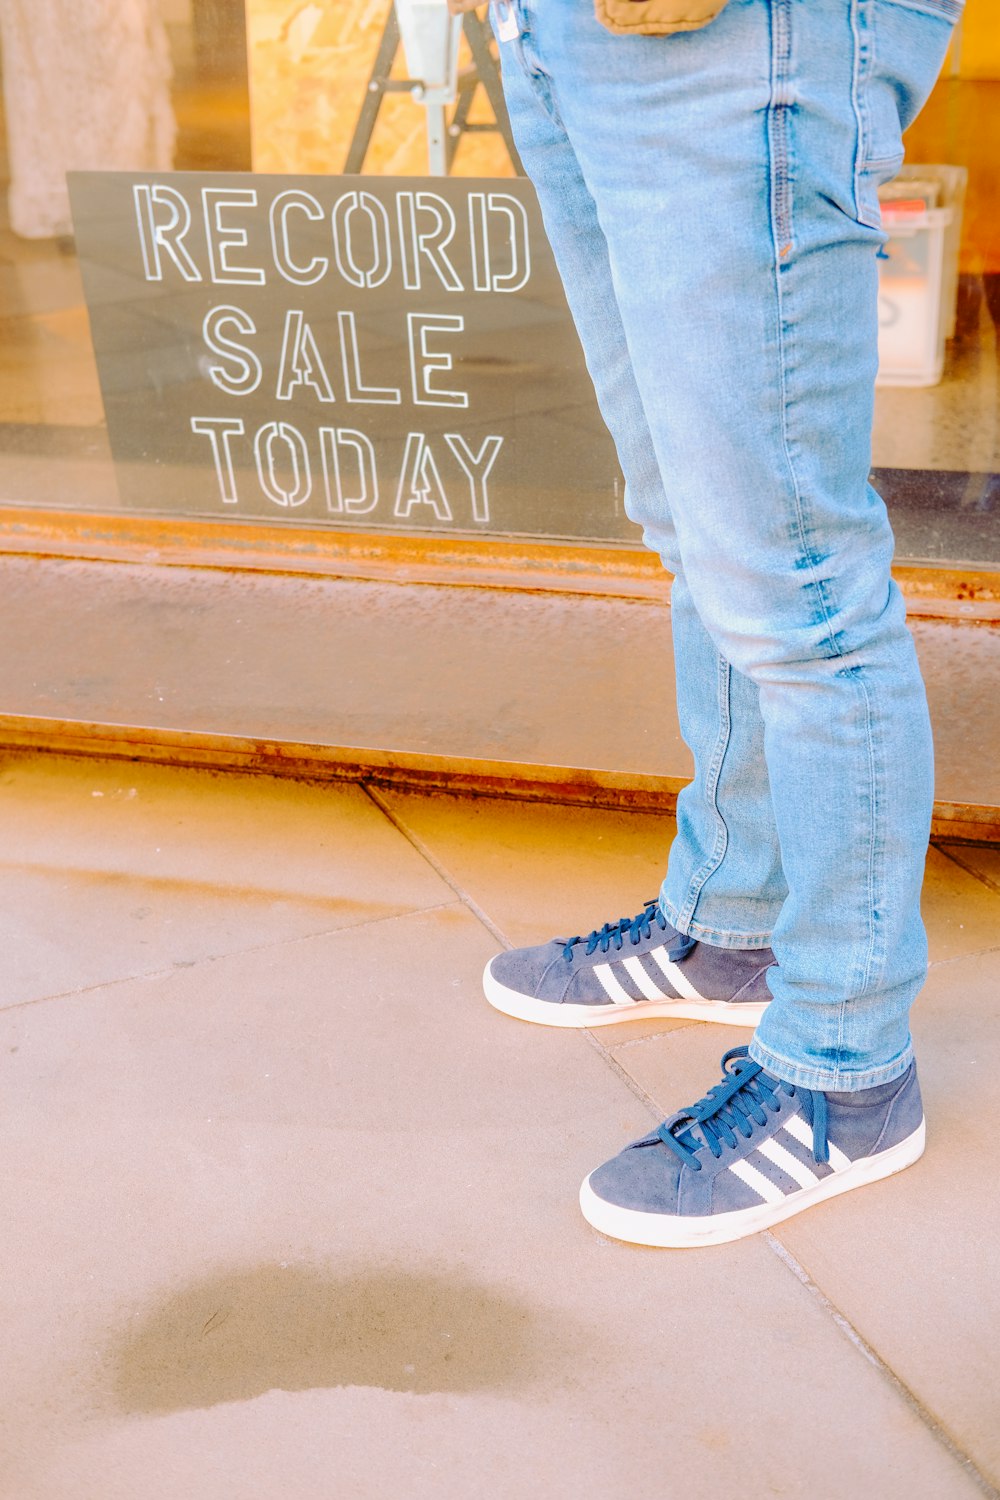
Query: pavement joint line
[[214, 958], [616, 1067], [909, 1397], [623, 1074], [131, 879], [608, 1057], [435, 864], [90, 989], [637, 1041], [958, 958], [991, 885]]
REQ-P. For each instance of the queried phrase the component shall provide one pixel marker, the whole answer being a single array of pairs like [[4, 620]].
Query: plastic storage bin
[[918, 272]]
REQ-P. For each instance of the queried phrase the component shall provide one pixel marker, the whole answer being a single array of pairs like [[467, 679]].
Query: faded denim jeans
[[711, 199]]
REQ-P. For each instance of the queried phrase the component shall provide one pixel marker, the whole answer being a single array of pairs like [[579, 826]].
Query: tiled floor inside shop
[[290, 1212]]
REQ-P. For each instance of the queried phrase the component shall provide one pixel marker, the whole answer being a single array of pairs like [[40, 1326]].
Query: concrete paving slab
[[913, 1262], [678, 1067], [961, 912], [66, 931], [539, 869], [108, 871], [981, 861], [238, 832], [303, 1222], [910, 1262]]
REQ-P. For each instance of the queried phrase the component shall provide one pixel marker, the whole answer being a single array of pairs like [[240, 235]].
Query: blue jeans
[[711, 199]]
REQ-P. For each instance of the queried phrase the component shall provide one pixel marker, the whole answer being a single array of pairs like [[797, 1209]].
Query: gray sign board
[[359, 352]]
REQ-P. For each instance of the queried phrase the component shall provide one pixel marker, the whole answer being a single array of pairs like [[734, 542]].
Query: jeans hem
[[828, 1080], [712, 935]]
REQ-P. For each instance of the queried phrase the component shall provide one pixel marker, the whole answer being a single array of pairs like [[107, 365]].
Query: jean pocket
[[899, 48]]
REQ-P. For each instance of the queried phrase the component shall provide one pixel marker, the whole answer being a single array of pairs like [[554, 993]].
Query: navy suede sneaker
[[754, 1151], [633, 968]]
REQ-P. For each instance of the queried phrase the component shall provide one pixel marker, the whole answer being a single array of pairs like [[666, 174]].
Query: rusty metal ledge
[[343, 763], [954, 822], [518, 564], [567, 697]]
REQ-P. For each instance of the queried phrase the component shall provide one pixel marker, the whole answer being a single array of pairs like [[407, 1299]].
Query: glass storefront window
[[286, 87], [109, 84], [937, 446]]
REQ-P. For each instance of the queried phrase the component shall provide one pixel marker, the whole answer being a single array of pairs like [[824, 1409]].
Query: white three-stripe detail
[[642, 979], [611, 986], [682, 985], [802, 1132], [757, 1181], [796, 1170]]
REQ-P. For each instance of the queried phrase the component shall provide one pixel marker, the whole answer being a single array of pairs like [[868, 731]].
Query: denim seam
[[873, 846], [860, 30], [712, 779], [781, 199], [864, 972], [780, 163], [862, 61], [781, 184], [540, 81]]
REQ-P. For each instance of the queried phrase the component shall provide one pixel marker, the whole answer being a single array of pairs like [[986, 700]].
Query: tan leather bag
[[656, 17]]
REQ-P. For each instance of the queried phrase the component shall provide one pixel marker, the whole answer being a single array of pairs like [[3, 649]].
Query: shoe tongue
[[682, 1128]]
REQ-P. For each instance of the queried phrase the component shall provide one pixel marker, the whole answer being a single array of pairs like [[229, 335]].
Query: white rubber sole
[[548, 1013], [680, 1232]]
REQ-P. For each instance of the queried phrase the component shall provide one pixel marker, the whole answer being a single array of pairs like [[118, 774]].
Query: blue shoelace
[[633, 928], [742, 1101]]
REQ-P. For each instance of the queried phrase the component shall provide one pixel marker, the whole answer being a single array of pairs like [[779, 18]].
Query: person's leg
[[734, 173], [734, 189], [700, 952], [724, 882]]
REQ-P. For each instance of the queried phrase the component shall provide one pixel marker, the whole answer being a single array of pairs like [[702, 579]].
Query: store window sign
[[355, 352]]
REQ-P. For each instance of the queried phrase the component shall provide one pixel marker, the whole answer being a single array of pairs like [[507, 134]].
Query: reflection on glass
[[82, 84], [146, 84], [110, 85], [310, 66], [937, 447]]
